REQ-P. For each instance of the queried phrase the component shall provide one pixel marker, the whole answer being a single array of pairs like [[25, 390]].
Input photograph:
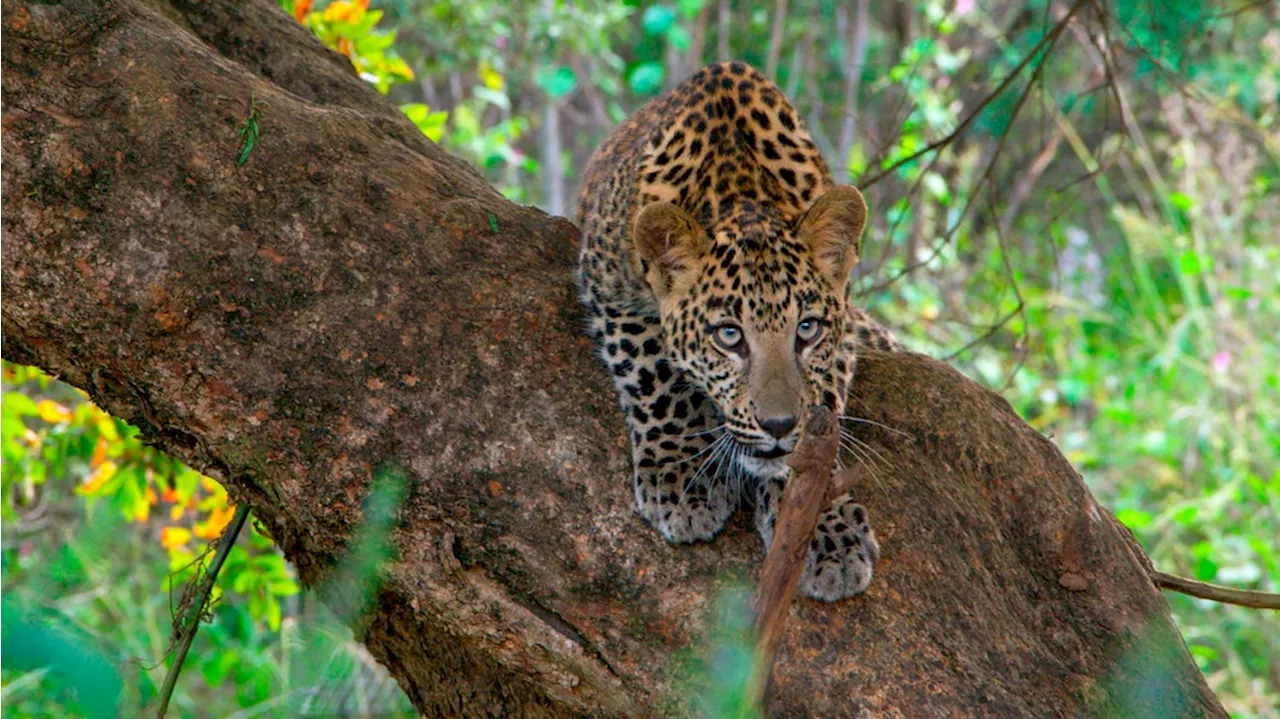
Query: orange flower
[[219, 518], [300, 9], [98, 477], [344, 46], [99, 452], [170, 495]]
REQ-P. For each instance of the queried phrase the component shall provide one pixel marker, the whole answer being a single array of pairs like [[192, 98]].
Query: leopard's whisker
[[849, 444], [869, 448], [705, 431], [720, 443], [845, 417], [705, 449]]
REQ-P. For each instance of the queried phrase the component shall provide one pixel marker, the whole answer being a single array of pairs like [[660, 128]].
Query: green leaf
[[657, 19], [646, 78], [496, 97], [243, 582], [937, 186], [679, 38], [557, 82], [1189, 263], [1134, 518], [1180, 200], [1186, 516], [1200, 651], [690, 8], [857, 161], [217, 666], [1206, 569], [285, 588], [17, 404], [273, 614]]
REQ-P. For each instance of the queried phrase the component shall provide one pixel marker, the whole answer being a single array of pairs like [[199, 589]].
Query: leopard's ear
[[832, 230], [668, 241]]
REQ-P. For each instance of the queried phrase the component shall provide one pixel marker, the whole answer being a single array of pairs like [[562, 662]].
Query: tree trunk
[[777, 34], [354, 299], [855, 61], [724, 20], [551, 147]]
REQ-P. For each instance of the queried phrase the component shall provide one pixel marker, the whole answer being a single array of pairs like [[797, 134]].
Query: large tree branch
[[353, 298]]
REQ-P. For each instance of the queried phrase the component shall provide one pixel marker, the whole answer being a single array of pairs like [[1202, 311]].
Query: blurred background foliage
[[1074, 202]]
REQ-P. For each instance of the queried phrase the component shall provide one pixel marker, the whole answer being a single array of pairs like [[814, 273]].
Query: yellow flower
[[174, 537], [52, 412], [98, 477], [176, 513]]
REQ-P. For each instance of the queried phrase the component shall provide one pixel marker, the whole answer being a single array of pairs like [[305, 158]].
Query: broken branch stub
[[808, 492]]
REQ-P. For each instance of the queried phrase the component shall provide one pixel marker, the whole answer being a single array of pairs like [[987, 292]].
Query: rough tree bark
[[353, 298]]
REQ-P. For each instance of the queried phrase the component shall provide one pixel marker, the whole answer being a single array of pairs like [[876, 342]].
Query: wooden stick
[[1217, 593], [189, 622], [810, 490]]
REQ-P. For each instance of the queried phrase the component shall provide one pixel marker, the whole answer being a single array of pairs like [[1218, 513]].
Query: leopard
[[714, 267]]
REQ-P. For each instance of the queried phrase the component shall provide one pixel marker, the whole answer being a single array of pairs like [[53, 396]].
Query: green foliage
[[249, 133], [350, 27], [719, 667]]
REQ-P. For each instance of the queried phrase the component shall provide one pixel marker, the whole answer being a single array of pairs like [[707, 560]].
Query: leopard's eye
[[809, 330], [729, 337]]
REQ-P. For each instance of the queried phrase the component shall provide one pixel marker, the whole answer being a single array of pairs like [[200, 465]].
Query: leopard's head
[[754, 311]]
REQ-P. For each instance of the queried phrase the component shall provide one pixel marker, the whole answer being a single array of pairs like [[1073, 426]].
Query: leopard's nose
[[779, 427]]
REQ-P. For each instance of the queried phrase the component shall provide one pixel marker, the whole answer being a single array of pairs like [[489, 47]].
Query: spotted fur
[[709, 216]]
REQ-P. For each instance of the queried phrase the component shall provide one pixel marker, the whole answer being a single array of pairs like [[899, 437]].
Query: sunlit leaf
[[52, 412], [491, 78], [557, 82], [657, 19], [98, 478], [689, 8], [1134, 518], [679, 38], [646, 78], [174, 537]]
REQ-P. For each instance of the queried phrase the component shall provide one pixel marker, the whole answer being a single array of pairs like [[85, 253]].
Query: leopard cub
[[715, 262]]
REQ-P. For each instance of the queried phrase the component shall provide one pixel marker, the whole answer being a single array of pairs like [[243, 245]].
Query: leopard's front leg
[[843, 551], [680, 458]]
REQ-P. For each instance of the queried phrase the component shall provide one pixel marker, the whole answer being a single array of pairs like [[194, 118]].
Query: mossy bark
[[354, 298]]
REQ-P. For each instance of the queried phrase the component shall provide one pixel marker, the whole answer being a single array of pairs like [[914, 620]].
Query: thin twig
[[985, 177], [1048, 40], [1217, 593], [191, 619]]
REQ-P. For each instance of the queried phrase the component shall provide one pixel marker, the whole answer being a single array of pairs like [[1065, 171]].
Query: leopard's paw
[[842, 554], [695, 515]]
